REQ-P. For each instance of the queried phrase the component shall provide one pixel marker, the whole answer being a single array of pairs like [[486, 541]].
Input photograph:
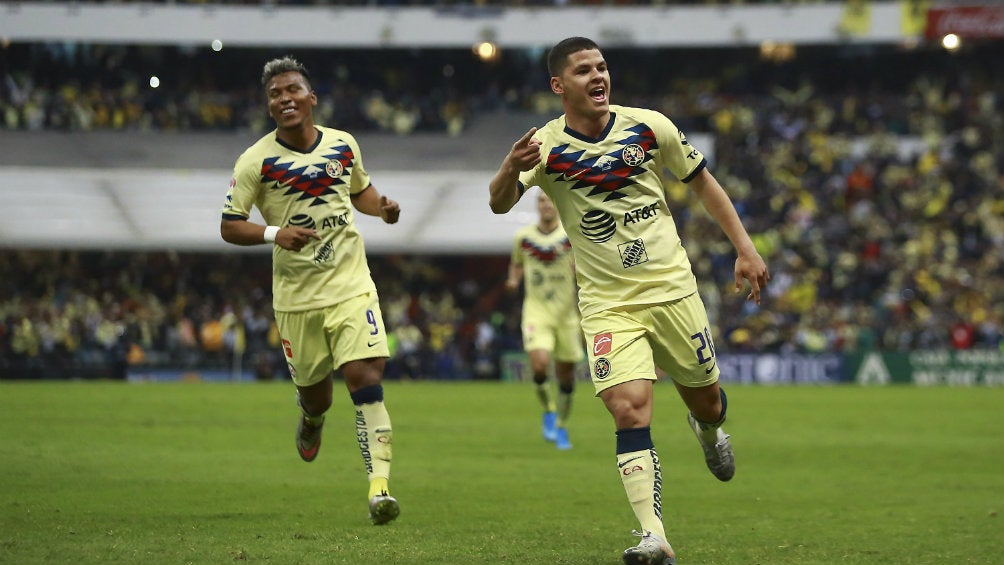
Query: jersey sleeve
[[678, 155], [243, 190], [533, 177], [360, 179]]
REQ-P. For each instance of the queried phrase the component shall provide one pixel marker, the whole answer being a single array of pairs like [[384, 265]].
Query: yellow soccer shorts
[[315, 342], [626, 344], [561, 338]]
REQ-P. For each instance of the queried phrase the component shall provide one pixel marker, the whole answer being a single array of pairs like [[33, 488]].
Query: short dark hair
[[557, 57], [282, 65]]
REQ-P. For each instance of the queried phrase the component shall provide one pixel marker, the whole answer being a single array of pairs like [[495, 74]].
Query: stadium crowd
[[873, 186], [97, 313]]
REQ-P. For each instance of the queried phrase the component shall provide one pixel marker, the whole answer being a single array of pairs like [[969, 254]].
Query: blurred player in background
[[603, 167], [303, 177], [542, 260]]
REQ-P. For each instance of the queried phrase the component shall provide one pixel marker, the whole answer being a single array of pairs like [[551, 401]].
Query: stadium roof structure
[[461, 25]]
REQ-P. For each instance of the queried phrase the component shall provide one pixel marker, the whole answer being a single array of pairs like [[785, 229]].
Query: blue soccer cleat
[[550, 426]]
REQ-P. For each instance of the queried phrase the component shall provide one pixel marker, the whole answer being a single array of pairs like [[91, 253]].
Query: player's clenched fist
[[390, 210], [525, 153]]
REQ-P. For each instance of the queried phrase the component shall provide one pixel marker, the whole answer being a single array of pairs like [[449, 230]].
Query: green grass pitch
[[195, 473]]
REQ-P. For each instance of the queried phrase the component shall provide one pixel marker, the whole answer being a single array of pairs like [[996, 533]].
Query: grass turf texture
[[208, 473]]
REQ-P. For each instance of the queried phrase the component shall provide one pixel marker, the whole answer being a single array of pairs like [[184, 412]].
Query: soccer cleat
[[719, 457], [383, 508], [550, 426], [651, 550], [561, 439], [308, 439]]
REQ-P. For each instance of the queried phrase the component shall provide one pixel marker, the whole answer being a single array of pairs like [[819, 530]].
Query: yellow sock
[[375, 437], [642, 478], [378, 486]]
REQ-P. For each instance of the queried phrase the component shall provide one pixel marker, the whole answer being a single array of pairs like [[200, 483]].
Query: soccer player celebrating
[[542, 259], [302, 177], [603, 167]]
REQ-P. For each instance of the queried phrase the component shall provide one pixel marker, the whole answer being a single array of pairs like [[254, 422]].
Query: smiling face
[[291, 102], [584, 85]]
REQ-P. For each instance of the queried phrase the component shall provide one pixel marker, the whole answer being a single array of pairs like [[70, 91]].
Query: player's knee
[[628, 413], [315, 403]]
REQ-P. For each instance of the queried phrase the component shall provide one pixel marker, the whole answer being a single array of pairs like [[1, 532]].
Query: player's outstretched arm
[[372, 203], [503, 191], [749, 264], [243, 232], [514, 277]]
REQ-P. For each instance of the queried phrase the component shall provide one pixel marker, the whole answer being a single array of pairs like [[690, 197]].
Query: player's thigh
[[682, 344], [617, 349], [305, 345], [356, 330]]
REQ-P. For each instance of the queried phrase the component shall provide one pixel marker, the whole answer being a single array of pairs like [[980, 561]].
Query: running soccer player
[[303, 178], [604, 168], [542, 260]]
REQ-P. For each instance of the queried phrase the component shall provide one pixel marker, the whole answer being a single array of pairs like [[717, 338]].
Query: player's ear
[[556, 86], [313, 98]]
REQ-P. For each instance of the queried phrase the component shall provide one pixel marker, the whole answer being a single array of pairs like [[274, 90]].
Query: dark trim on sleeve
[[522, 189], [232, 217], [700, 167]]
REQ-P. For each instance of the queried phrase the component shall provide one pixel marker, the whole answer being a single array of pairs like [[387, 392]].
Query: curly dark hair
[[285, 64]]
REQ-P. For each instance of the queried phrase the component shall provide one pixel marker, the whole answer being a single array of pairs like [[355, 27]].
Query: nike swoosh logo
[[619, 465], [371, 344], [711, 368]]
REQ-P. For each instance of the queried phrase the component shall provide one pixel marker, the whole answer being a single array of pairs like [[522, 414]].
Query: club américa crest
[[601, 368], [633, 155], [334, 168]]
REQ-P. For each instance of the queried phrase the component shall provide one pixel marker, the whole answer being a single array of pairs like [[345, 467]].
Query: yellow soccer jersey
[[308, 189], [548, 273], [609, 195]]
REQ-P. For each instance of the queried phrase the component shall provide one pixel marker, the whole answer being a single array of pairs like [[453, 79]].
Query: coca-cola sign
[[966, 22]]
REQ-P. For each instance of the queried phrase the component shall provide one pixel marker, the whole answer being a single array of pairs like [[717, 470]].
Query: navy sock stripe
[[725, 403], [634, 439], [367, 395], [566, 388]]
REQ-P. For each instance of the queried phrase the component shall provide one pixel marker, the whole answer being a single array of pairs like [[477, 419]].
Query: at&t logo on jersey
[[598, 226], [302, 221]]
